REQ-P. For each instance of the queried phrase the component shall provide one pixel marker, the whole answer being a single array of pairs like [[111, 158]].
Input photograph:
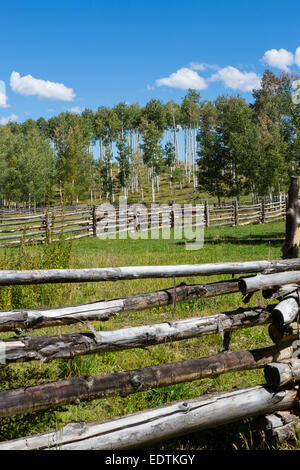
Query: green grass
[[221, 244]]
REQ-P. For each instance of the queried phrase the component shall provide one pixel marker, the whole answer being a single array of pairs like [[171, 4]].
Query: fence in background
[[45, 227], [84, 222]]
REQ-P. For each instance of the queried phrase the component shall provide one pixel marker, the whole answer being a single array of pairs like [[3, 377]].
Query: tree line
[[224, 147]]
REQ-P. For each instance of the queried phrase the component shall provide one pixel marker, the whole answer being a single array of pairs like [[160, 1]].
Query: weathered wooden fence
[[45, 227], [244, 213], [98, 221], [279, 279], [277, 401]]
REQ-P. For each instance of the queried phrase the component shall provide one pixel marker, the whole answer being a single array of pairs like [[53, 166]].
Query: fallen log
[[152, 426], [268, 281], [47, 348], [280, 375], [85, 388], [8, 277], [103, 310]]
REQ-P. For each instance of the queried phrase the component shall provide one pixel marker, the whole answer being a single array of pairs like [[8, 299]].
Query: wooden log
[[263, 211], [26, 240], [72, 224], [292, 233], [280, 292], [281, 334], [287, 310], [94, 221], [280, 426], [19, 219], [16, 236], [279, 374], [236, 213], [47, 348], [206, 214], [149, 427], [58, 220], [8, 277], [85, 388], [101, 311], [268, 281]]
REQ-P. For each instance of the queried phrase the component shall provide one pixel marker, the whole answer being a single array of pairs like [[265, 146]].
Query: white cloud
[[297, 57], [75, 110], [202, 66], [6, 120], [183, 79], [280, 59], [3, 97], [30, 86], [237, 80]]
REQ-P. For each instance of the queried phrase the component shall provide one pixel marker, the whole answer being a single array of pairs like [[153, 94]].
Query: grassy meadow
[[250, 242]]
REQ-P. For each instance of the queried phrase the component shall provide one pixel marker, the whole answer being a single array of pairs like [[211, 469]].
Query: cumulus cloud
[[75, 110], [202, 66], [297, 57], [30, 86], [3, 97], [236, 80], [280, 59], [6, 120], [183, 79]]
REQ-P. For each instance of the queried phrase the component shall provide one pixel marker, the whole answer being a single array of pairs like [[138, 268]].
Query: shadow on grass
[[252, 239]]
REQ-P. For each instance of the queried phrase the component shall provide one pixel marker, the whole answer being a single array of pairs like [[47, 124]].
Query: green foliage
[[26, 164], [55, 255], [241, 148]]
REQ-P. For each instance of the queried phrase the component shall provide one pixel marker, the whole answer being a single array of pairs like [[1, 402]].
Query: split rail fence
[[91, 221], [45, 227], [278, 401]]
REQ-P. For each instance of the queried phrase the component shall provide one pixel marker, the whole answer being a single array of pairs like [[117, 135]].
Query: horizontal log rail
[[149, 427], [86, 388], [268, 281], [47, 348], [279, 267], [12, 320]]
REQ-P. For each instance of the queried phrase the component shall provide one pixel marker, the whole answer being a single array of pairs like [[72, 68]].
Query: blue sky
[[72, 54]]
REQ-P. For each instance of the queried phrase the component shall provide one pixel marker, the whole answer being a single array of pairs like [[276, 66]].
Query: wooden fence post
[[206, 214], [172, 216], [236, 212], [94, 221], [263, 211], [284, 207], [292, 229]]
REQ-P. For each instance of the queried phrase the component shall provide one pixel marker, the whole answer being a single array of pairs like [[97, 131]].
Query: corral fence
[[276, 402], [108, 220], [244, 213], [279, 280], [45, 227]]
